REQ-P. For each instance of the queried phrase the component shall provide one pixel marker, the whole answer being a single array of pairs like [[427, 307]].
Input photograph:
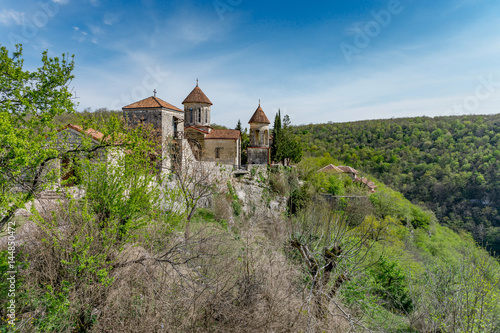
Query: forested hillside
[[451, 164]]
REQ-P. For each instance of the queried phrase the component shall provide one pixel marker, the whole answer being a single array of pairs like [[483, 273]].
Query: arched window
[[199, 115], [206, 115], [191, 115]]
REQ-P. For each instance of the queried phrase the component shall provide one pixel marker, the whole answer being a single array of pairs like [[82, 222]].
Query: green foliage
[[277, 137], [286, 146], [57, 304], [122, 192], [451, 164], [235, 201], [204, 214], [253, 171], [29, 101], [388, 202], [391, 284], [298, 200], [245, 141], [4, 268]]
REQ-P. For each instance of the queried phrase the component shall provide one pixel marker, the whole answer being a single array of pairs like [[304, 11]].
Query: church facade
[[191, 127]]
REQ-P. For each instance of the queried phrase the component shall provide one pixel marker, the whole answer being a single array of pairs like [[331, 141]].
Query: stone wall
[[228, 151], [192, 117], [198, 137], [146, 116], [259, 135], [258, 155], [165, 122]]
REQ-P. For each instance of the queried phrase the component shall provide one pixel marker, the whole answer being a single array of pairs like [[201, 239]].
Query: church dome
[[259, 117], [197, 96]]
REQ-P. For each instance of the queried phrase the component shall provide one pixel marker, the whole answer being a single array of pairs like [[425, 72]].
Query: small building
[[369, 184], [72, 138], [350, 171], [258, 150], [208, 144], [330, 168], [166, 119]]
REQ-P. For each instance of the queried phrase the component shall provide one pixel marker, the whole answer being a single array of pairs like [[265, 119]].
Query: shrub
[[278, 183], [391, 285]]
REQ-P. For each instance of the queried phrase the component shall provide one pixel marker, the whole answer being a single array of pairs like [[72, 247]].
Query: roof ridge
[[197, 96], [259, 116], [152, 102]]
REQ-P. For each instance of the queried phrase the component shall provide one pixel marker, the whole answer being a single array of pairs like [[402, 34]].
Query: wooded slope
[[451, 164]]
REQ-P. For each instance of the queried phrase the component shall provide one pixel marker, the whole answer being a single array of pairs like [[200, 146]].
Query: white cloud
[[110, 19], [10, 16], [96, 30]]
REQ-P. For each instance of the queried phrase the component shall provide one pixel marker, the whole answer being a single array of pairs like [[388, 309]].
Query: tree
[[29, 101], [123, 193], [238, 126], [276, 137], [197, 181], [245, 141], [286, 146], [333, 250]]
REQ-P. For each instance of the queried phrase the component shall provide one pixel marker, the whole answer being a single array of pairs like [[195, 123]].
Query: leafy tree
[[450, 164], [29, 101], [286, 146]]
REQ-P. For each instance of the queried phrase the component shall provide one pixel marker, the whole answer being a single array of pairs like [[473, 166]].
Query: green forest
[[450, 164], [205, 248]]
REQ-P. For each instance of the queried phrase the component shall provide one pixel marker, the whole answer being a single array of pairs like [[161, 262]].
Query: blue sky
[[318, 61]]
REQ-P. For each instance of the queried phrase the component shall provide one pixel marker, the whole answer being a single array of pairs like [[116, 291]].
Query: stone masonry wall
[[205, 114], [228, 151], [258, 155]]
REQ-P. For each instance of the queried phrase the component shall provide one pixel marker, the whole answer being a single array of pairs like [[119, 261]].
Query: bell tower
[[258, 150], [197, 108]]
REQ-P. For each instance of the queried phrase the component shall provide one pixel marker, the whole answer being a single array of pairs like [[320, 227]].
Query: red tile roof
[[223, 134], [330, 168], [197, 96], [96, 135], [371, 185], [152, 103], [348, 169], [203, 129], [259, 117]]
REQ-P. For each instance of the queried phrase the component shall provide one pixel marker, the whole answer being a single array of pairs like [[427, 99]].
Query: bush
[[278, 183], [391, 285]]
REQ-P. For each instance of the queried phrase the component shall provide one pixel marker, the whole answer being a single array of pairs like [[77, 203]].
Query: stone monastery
[[191, 127]]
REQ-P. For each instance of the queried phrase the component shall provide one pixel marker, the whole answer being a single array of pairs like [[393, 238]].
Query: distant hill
[[451, 164]]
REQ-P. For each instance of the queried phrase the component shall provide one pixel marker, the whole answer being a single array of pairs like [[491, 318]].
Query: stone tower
[[197, 108], [258, 149], [167, 121]]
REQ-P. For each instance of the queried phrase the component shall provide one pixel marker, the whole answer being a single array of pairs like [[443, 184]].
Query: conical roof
[[259, 117], [197, 96], [152, 102]]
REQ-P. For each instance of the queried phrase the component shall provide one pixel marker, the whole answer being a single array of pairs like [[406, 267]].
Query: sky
[[317, 61]]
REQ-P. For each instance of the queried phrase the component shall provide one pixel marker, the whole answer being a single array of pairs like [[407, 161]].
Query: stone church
[[191, 127]]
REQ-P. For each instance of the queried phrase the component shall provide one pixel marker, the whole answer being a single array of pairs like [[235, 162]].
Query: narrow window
[[206, 115], [199, 115], [217, 152], [191, 115]]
